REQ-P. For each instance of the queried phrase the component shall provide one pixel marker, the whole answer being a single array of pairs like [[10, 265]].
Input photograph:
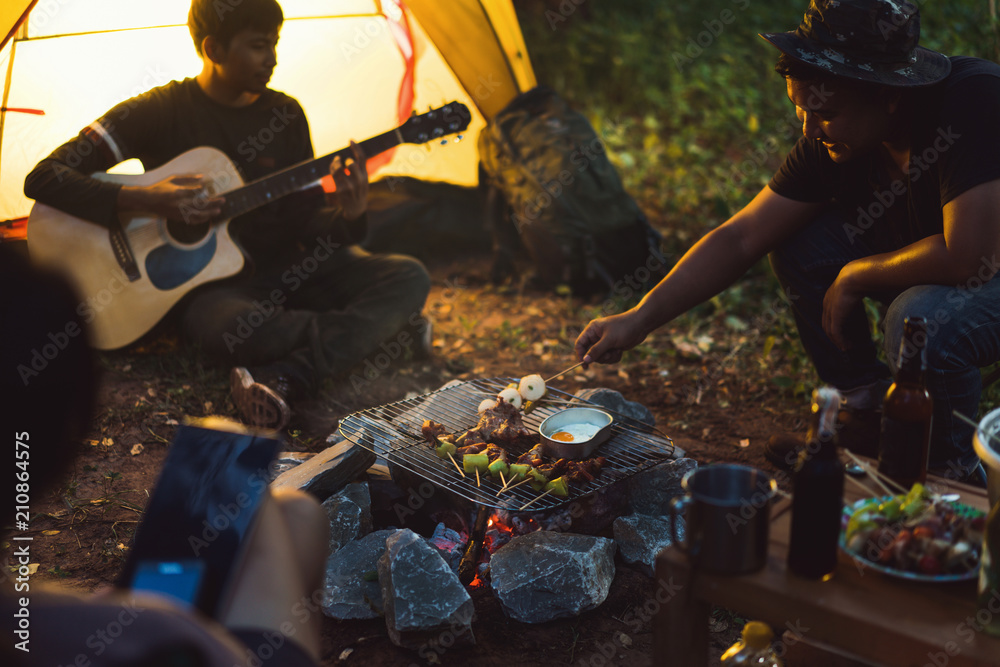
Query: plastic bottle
[[905, 436], [818, 494], [754, 648]]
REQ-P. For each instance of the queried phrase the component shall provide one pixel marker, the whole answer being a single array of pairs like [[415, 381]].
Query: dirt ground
[[710, 387]]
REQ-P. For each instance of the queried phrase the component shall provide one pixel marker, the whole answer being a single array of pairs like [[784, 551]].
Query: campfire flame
[[502, 527]]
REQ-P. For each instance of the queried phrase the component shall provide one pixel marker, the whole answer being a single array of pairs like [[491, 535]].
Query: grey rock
[[640, 539], [651, 491], [423, 598], [350, 514], [544, 575], [329, 471], [450, 544], [350, 584], [614, 401]]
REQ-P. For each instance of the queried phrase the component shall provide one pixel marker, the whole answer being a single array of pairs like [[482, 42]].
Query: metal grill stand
[[392, 431]]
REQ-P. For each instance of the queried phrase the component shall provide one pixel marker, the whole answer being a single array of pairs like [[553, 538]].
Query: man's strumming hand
[[180, 198]]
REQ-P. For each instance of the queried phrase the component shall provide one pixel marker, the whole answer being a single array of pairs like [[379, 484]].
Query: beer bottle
[[905, 435], [818, 493]]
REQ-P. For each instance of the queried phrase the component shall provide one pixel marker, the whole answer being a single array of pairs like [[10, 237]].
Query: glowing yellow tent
[[359, 67]]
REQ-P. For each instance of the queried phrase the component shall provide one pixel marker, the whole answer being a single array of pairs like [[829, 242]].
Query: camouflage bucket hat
[[865, 40]]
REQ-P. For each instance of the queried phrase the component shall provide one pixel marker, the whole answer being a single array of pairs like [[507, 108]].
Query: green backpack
[[554, 192]]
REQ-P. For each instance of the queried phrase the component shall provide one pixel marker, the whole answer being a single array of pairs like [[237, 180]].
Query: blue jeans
[[963, 327]]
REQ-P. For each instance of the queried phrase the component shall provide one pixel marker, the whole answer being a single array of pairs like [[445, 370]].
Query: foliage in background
[[692, 113]]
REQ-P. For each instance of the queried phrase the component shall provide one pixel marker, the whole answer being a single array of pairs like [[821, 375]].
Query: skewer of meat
[[503, 422]]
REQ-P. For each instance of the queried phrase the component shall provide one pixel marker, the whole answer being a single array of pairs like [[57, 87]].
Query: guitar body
[[170, 264]]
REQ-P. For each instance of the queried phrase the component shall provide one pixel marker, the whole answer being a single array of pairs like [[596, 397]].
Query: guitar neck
[[281, 183]]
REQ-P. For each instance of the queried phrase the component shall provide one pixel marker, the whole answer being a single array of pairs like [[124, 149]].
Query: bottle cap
[[757, 635]]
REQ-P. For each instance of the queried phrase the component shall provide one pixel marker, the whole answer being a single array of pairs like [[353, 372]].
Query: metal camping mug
[[728, 516]]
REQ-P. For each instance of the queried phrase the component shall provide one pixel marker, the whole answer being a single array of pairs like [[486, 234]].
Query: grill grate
[[392, 431]]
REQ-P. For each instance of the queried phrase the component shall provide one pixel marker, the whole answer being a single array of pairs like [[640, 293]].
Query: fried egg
[[576, 433]]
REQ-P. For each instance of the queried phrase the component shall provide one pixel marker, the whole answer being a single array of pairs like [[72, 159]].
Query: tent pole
[[496, 37], [6, 91], [19, 22]]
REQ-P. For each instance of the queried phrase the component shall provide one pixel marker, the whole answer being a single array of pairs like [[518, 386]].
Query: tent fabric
[[482, 43], [12, 12], [356, 66]]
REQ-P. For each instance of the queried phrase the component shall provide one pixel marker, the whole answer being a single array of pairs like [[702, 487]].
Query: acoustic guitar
[[129, 277]]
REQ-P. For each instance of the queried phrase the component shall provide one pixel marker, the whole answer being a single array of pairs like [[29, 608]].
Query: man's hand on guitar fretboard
[[351, 179]]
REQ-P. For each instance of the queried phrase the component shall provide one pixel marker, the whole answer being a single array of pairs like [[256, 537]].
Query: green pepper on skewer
[[538, 479], [519, 470], [497, 468], [559, 486], [473, 462], [445, 448]]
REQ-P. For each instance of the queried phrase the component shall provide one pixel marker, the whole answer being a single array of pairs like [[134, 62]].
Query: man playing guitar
[[314, 304]]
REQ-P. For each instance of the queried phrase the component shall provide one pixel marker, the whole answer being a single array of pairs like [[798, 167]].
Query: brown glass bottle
[[907, 411], [818, 493]]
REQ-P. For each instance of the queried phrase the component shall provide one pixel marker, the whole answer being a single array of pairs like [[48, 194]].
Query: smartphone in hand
[[201, 514]]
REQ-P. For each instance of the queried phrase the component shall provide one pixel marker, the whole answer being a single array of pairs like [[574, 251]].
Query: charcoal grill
[[392, 431]]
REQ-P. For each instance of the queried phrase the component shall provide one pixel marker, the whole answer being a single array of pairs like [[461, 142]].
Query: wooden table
[[870, 616]]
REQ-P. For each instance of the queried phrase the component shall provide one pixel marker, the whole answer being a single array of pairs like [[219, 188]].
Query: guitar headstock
[[436, 123]]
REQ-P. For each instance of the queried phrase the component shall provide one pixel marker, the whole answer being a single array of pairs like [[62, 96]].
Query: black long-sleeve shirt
[[268, 135]]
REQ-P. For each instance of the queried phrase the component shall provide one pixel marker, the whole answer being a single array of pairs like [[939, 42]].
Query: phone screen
[[200, 514]]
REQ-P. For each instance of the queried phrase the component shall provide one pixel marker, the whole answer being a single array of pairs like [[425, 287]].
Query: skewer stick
[[571, 368], [995, 439], [477, 477], [514, 486], [531, 502], [457, 467], [875, 476], [860, 484], [878, 477], [503, 480], [888, 480]]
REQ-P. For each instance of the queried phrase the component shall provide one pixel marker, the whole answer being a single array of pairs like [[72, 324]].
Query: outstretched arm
[[711, 265]]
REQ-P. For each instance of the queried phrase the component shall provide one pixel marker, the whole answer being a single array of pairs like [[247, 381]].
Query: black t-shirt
[[268, 135], [954, 146]]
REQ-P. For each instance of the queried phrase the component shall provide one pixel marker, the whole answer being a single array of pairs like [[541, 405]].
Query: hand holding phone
[[202, 512]]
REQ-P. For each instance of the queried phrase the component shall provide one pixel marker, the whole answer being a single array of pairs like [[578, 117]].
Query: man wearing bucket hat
[[892, 192]]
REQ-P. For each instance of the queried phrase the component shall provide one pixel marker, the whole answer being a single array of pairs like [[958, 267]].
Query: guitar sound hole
[[187, 234]]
